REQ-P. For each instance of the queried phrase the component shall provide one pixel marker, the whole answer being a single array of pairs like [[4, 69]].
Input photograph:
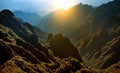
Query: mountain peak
[[7, 12]]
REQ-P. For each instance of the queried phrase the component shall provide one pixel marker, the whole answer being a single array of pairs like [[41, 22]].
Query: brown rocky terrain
[[21, 51]]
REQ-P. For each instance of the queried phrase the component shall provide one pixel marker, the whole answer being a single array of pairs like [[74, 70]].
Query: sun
[[65, 4]]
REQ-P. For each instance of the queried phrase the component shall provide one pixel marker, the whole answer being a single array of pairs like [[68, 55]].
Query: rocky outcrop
[[62, 47]]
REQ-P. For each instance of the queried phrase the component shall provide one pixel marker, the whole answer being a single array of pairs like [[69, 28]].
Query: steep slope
[[60, 21], [21, 52], [32, 18], [102, 45]]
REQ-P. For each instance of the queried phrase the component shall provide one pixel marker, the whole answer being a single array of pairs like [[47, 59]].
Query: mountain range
[[82, 39]]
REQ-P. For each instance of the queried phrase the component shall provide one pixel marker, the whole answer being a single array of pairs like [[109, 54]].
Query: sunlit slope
[[67, 22]]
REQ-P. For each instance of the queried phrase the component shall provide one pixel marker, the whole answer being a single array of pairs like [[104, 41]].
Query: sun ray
[[65, 4]]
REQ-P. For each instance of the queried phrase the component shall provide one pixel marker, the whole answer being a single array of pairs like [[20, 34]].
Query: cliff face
[[21, 52]]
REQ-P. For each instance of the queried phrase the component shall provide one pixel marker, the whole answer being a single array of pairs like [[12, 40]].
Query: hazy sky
[[41, 5]]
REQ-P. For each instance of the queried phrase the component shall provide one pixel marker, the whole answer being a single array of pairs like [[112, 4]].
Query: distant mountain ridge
[[32, 18]]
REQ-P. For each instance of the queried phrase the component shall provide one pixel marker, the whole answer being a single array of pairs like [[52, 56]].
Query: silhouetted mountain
[[32, 18], [21, 52], [60, 44]]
